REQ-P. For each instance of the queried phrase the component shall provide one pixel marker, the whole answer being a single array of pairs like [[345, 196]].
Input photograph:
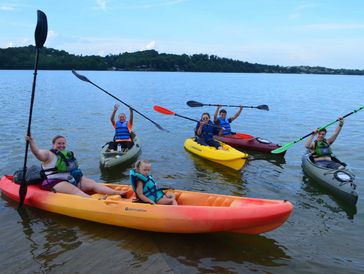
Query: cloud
[[6, 8], [101, 4], [297, 11], [9, 45], [149, 46]]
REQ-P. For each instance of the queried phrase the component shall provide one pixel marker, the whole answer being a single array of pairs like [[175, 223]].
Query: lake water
[[322, 235]]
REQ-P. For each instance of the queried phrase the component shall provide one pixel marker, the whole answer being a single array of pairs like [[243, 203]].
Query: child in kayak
[[222, 121], [62, 173], [145, 186], [320, 148], [205, 131]]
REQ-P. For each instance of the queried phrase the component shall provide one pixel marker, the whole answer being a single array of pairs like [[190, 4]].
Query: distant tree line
[[148, 60]]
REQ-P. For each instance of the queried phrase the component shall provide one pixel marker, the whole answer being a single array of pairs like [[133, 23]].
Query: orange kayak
[[196, 212]]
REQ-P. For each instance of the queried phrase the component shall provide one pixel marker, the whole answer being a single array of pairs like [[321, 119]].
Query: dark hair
[[222, 111], [323, 130], [205, 113], [57, 137]]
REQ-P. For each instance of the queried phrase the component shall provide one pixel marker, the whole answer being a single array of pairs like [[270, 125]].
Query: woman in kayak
[[222, 121], [320, 148], [123, 130], [146, 188], [61, 170], [205, 131]]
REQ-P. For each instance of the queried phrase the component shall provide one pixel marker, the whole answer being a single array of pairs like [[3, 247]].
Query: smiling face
[[205, 117], [122, 117], [321, 135], [223, 114], [59, 143]]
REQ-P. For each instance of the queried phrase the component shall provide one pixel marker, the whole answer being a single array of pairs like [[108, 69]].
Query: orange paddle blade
[[163, 110]]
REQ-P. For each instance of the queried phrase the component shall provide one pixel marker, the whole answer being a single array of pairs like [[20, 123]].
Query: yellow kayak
[[229, 157]]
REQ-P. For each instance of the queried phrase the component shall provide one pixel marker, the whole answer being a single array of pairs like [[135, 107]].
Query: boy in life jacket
[[123, 129], [146, 188], [224, 122], [320, 148], [205, 131]]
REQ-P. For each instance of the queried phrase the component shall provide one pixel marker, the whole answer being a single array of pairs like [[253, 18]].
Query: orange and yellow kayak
[[196, 212]]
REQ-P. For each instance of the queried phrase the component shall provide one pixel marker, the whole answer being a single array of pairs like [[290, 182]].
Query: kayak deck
[[229, 157], [196, 213]]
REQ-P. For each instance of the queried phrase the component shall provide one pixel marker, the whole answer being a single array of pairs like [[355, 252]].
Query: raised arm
[[309, 144], [336, 132], [216, 114], [131, 117], [112, 117], [236, 115], [41, 154]]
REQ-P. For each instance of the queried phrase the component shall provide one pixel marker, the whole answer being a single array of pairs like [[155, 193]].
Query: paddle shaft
[[188, 118], [288, 145], [83, 78], [215, 105], [23, 186]]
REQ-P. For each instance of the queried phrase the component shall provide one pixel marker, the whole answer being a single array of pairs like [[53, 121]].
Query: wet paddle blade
[[163, 110], [263, 107], [81, 77], [194, 104], [283, 148], [41, 29]]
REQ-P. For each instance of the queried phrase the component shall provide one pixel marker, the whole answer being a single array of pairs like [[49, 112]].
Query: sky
[[327, 33]]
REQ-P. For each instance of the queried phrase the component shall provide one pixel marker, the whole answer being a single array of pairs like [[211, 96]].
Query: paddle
[[288, 145], [198, 104], [85, 79], [40, 36], [170, 112]]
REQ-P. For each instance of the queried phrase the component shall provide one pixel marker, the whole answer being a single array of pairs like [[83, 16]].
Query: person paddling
[[123, 129], [321, 147], [62, 172], [222, 121]]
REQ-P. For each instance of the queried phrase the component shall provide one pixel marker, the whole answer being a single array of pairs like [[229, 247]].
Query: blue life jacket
[[122, 132], [322, 148], [150, 188], [207, 132], [226, 125]]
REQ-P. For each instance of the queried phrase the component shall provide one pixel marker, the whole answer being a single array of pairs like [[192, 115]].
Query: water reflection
[[54, 239], [115, 174], [327, 200], [48, 239]]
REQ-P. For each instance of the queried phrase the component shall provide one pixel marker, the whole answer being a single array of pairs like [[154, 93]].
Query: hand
[[116, 107], [341, 121], [29, 138]]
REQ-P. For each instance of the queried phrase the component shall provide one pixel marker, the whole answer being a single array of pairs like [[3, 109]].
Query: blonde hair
[[139, 163]]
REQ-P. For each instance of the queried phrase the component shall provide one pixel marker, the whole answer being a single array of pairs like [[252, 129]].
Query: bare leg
[[66, 187], [87, 184], [168, 199]]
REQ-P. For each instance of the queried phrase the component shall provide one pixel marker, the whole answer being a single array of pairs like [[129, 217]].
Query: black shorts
[[127, 144], [211, 143]]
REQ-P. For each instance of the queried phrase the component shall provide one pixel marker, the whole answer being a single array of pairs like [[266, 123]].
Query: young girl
[[146, 188]]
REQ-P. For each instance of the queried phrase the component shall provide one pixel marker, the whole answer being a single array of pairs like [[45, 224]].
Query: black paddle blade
[[81, 77], [263, 107], [194, 104], [41, 29]]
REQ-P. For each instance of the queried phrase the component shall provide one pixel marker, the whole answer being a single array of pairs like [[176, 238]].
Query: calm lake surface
[[322, 235]]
